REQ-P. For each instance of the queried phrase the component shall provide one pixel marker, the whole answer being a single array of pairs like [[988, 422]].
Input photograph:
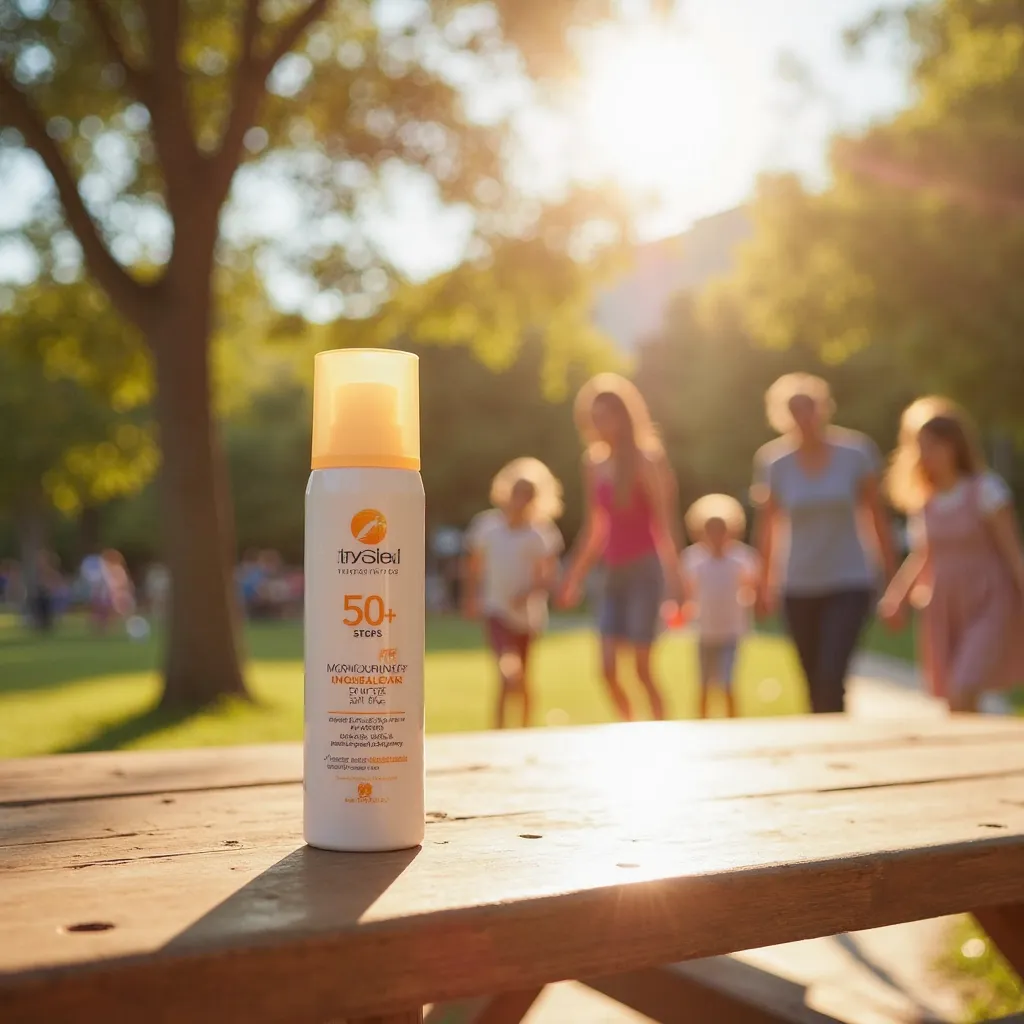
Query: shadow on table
[[306, 892]]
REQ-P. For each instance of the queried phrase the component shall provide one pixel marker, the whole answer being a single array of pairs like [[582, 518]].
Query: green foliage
[[916, 245], [143, 111], [525, 287], [73, 388], [993, 988], [322, 99], [255, 348], [474, 420], [268, 447]]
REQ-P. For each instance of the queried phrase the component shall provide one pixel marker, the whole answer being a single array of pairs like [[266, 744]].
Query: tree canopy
[[917, 243], [143, 112], [74, 392]]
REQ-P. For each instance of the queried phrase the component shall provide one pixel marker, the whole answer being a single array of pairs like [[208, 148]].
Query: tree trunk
[[203, 646]]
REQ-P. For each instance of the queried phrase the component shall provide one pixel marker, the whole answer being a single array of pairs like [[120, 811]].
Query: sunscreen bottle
[[364, 605]]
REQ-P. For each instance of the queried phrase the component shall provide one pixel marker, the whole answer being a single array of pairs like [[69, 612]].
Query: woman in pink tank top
[[966, 569], [630, 496]]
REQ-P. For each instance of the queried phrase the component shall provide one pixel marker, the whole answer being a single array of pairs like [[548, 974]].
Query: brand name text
[[369, 556]]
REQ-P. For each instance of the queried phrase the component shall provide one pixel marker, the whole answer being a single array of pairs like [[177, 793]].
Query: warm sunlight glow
[[655, 111]]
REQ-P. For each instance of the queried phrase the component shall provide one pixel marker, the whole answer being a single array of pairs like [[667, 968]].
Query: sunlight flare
[[654, 110]]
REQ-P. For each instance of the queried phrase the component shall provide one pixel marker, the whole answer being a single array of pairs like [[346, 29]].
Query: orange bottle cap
[[366, 409]]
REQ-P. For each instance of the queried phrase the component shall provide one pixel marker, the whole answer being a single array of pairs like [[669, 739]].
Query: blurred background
[[197, 196]]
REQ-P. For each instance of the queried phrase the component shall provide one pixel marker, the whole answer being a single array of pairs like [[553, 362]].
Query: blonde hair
[[716, 506], [642, 437], [778, 397], [905, 481], [547, 490]]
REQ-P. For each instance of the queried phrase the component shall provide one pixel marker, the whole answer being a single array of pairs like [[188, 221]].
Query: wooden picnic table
[[175, 886]]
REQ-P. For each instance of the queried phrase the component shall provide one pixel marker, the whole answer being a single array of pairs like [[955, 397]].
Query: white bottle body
[[364, 642]]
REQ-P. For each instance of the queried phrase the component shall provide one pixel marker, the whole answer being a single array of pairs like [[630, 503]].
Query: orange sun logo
[[369, 526]]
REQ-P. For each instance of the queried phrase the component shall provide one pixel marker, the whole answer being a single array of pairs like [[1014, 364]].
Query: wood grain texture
[[74, 833], [572, 854], [83, 776]]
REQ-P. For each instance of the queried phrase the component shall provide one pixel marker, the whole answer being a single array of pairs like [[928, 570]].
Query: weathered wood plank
[[717, 738], [73, 833], [539, 784], [82, 776], [120, 773], [620, 878], [185, 892]]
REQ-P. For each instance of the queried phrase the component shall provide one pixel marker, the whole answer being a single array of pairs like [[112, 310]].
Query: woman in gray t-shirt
[[819, 485]]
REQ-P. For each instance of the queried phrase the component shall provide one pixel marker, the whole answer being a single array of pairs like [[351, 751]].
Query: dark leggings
[[825, 629]]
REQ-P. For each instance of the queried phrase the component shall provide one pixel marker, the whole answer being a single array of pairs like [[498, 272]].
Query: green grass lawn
[[76, 691], [991, 988]]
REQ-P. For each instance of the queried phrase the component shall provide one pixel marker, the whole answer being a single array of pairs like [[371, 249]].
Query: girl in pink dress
[[630, 525], [966, 567]]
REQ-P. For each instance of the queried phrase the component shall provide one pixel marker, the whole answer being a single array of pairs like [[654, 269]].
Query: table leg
[[509, 1007], [1005, 927], [506, 1008], [405, 1017]]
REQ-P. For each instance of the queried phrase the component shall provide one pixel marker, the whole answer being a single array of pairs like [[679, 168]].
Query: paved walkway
[[889, 687], [890, 970], [885, 687]]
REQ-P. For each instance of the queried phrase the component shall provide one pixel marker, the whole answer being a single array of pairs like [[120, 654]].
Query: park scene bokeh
[[700, 196]]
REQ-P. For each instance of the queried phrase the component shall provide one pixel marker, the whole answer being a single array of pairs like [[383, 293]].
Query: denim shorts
[[717, 662], [630, 605]]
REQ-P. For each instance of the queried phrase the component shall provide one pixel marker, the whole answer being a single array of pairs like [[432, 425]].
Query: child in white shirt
[[511, 562], [720, 574]]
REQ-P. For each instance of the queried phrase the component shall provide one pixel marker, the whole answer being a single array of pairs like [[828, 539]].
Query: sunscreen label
[[364, 647]]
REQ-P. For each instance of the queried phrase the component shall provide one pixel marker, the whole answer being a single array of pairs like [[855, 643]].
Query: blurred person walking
[[45, 592], [965, 570], [11, 590], [720, 574], [510, 567], [113, 593], [631, 499], [817, 489], [248, 576], [271, 589], [157, 590]]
